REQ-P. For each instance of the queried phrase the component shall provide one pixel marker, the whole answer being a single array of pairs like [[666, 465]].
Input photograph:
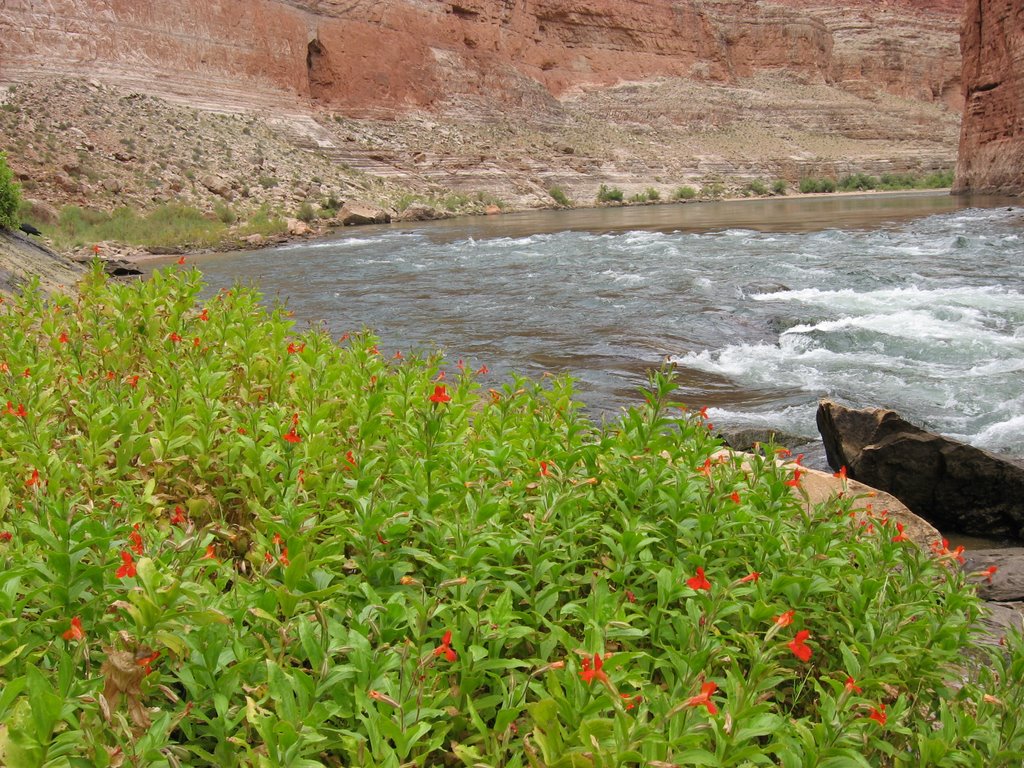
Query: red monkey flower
[[801, 650], [445, 648], [127, 568], [75, 632], [699, 581], [703, 699], [589, 673]]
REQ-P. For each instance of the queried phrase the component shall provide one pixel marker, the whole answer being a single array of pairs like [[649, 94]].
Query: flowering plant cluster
[[223, 543]]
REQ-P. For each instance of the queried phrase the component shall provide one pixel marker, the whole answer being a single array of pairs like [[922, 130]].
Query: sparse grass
[[168, 226], [306, 213], [165, 226], [264, 222], [225, 213], [713, 190]]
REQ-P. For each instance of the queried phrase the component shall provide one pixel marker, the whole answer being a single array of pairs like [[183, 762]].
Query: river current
[[913, 302]]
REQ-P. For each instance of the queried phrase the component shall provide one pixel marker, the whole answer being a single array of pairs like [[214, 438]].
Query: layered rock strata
[[402, 54]]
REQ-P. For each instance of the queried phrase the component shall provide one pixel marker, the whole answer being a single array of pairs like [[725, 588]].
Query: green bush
[[810, 185], [858, 182], [10, 196], [559, 196], [757, 187], [685, 193], [607, 194], [779, 187], [938, 180], [267, 549], [652, 194]]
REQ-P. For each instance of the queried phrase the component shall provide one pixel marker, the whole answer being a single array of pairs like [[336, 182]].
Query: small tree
[[10, 196]]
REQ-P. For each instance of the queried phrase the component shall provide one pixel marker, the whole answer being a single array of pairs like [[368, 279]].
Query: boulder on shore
[[955, 486], [351, 214]]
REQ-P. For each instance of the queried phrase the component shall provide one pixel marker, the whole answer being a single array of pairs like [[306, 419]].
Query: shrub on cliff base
[[811, 185], [559, 196], [685, 193], [606, 194], [10, 196]]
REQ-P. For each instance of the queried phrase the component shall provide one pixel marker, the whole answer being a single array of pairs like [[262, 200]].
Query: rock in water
[[956, 487]]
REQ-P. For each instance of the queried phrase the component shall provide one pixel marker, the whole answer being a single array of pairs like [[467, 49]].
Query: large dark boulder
[[956, 487]]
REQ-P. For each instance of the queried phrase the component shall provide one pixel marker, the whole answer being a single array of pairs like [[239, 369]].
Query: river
[[913, 302]]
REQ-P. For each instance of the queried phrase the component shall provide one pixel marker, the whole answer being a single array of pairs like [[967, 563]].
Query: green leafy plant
[[606, 194], [757, 187], [229, 542], [779, 187], [10, 196], [685, 193], [812, 185]]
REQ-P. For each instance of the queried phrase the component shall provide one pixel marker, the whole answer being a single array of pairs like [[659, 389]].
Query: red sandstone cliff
[[991, 155], [367, 56]]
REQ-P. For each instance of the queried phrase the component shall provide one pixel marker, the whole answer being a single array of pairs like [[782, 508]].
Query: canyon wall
[[365, 56], [991, 157]]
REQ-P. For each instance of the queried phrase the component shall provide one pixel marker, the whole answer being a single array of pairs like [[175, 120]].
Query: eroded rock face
[[407, 54], [991, 155], [956, 487]]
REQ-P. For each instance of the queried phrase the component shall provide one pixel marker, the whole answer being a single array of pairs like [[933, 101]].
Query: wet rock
[[763, 286], [121, 268], [998, 619], [955, 486], [746, 438], [1007, 583]]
